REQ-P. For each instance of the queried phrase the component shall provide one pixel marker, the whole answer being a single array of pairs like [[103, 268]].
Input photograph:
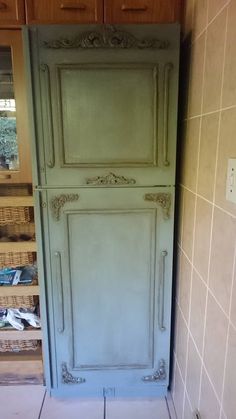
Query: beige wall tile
[[190, 154], [229, 86], [202, 237], [196, 75], [193, 374], [215, 343], [227, 149], [207, 155], [214, 63], [198, 305], [185, 282], [188, 413], [181, 342], [199, 16], [214, 6], [188, 222], [178, 395], [229, 400], [222, 257], [209, 405], [233, 307]]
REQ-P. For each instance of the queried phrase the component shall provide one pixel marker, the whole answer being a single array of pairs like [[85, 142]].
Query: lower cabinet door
[[108, 258]]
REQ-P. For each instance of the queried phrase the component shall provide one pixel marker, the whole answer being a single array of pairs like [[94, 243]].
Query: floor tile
[[72, 409], [21, 402], [137, 409]]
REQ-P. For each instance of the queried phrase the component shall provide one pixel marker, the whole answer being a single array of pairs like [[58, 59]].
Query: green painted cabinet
[[108, 270], [105, 112], [108, 103]]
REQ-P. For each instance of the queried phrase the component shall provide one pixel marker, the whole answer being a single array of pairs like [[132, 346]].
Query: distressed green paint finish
[[106, 109], [105, 259], [105, 112]]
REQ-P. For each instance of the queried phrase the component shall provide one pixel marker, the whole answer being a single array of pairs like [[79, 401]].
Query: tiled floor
[[32, 402]]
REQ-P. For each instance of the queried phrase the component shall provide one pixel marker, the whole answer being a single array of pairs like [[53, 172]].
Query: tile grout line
[[207, 200], [223, 109], [41, 408]]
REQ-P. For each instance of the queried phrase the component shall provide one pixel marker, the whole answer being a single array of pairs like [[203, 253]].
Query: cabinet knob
[[5, 176], [3, 6]]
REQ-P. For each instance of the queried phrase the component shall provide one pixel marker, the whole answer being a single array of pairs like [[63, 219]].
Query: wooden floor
[[32, 402]]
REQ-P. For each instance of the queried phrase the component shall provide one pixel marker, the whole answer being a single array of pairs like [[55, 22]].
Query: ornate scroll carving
[[162, 199], [68, 378], [158, 375], [108, 38], [110, 179], [59, 201]]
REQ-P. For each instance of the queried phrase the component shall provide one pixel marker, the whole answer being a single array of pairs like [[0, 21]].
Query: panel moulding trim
[[108, 38], [110, 179]]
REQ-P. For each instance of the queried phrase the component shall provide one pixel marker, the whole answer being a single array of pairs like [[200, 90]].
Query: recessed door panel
[[112, 282], [108, 115]]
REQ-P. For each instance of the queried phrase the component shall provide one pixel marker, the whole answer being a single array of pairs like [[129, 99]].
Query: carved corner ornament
[[162, 199], [58, 202], [158, 375], [68, 378], [110, 179], [107, 38]]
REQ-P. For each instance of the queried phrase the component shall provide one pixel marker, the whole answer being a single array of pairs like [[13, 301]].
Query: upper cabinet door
[[108, 105], [142, 11], [15, 159], [12, 12], [64, 11]]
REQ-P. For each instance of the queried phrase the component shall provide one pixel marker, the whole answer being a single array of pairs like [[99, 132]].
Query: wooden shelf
[[16, 201], [19, 290], [25, 367], [13, 334], [8, 247]]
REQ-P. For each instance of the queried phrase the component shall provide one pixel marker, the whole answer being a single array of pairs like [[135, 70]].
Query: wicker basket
[[14, 215], [19, 301], [13, 260], [19, 345]]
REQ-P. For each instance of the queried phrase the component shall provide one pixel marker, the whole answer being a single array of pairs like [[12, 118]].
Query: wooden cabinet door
[[12, 12], [64, 11], [108, 255], [15, 157], [141, 11], [108, 105]]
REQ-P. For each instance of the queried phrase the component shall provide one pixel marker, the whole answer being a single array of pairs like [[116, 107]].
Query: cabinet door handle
[[5, 176], [60, 313], [49, 143], [167, 71], [161, 292], [72, 6], [126, 8], [3, 6]]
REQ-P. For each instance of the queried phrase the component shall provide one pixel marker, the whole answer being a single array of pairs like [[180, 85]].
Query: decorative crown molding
[[162, 199], [68, 378], [158, 375], [59, 201], [110, 179], [108, 38]]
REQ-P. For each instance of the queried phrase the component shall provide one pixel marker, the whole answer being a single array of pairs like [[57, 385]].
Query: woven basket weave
[[19, 345], [14, 215], [19, 301], [16, 259]]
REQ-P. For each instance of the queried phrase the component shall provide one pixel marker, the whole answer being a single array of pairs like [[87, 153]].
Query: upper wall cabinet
[[59, 11], [12, 13], [15, 161], [141, 11], [99, 11]]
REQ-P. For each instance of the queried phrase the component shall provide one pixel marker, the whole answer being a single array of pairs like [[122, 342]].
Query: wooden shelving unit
[[25, 366]]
